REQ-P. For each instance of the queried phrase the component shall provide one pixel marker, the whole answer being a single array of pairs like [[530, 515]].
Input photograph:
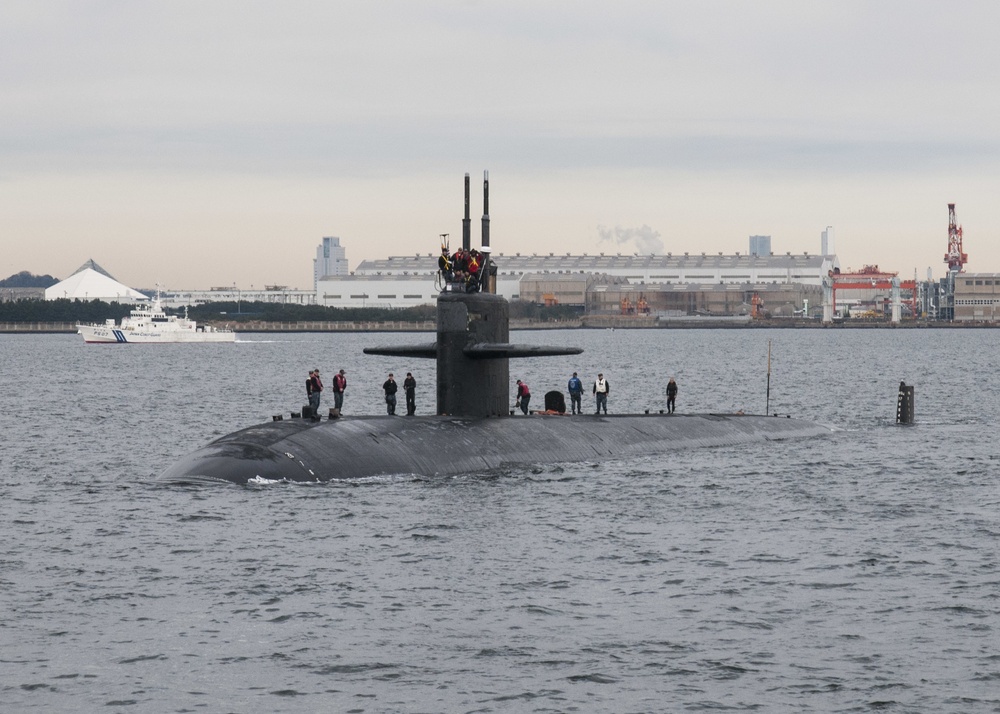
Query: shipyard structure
[[758, 284], [684, 284]]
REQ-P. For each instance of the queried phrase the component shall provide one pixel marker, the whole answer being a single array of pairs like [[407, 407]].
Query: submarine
[[473, 430]]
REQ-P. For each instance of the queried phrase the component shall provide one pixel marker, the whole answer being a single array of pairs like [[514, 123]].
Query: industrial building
[[871, 293], [977, 297], [15, 294], [570, 289], [269, 293], [405, 281], [724, 299]]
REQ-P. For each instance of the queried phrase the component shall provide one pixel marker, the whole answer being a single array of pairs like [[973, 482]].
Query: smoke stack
[[486, 210], [466, 222]]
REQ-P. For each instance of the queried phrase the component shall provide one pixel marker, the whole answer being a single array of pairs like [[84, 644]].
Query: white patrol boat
[[152, 324]]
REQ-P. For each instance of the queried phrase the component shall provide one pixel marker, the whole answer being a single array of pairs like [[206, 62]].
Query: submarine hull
[[363, 447]]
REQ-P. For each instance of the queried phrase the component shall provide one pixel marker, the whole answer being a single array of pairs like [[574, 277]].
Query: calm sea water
[[853, 573]]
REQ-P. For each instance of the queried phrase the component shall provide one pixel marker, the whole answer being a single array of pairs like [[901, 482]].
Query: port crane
[[955, 258]]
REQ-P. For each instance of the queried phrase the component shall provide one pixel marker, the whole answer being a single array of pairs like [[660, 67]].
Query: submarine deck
[[354, 447]]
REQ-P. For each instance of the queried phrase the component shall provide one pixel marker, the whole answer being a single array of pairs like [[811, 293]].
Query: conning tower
[[472, 348]]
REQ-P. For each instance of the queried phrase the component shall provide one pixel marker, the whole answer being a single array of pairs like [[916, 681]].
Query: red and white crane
[[955, 258]]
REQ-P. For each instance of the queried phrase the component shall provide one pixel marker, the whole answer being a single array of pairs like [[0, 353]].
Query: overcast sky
[[206, 143]]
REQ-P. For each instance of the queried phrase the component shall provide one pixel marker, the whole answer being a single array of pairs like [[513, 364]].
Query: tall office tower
[[331, 259], [760, 245], [826, 242]]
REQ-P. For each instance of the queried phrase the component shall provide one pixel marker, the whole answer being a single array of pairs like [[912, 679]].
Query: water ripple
[[856, 573]]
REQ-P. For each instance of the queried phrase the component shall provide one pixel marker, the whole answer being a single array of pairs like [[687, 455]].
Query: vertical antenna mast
[[486, 209], [466, 222]]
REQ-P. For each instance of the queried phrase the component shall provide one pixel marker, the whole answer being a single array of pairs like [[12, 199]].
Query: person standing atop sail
[[671, 395]]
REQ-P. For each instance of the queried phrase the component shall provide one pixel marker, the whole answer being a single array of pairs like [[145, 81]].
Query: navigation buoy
[[904, 404]]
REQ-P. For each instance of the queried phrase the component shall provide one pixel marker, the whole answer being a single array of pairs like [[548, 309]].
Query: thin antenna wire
[[767, 405]]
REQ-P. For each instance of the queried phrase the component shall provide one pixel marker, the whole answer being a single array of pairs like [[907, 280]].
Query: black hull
[[362, 447]]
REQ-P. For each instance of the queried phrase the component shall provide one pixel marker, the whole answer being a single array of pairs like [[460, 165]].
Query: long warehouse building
[[406, 281]]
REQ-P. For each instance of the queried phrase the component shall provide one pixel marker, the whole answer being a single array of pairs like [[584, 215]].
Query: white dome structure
[[91, 282]]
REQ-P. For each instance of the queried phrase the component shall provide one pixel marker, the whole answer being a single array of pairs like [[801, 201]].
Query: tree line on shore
[[87, 311], [24, 279]]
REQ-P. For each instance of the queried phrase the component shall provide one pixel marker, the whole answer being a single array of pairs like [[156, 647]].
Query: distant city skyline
[[192, 145]]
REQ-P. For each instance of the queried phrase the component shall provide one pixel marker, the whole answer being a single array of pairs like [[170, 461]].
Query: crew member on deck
[[602, 388], [390, 387], [315, 393], [339, 385], [410, 388], [575, 387], [523, 396], [671, 395]]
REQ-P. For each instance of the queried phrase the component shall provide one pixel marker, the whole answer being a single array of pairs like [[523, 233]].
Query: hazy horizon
[[192, 145]]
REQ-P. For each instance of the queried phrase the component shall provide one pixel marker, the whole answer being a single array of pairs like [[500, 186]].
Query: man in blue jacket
[[575, 387]]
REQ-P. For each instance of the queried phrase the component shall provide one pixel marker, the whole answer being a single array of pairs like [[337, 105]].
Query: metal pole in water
[[767, 405]]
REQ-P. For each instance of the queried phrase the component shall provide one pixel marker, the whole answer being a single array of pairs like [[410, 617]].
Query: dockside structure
[[405, 281], [977, 297]]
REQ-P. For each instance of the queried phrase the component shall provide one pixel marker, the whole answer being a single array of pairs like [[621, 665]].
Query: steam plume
[[643, 239]]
